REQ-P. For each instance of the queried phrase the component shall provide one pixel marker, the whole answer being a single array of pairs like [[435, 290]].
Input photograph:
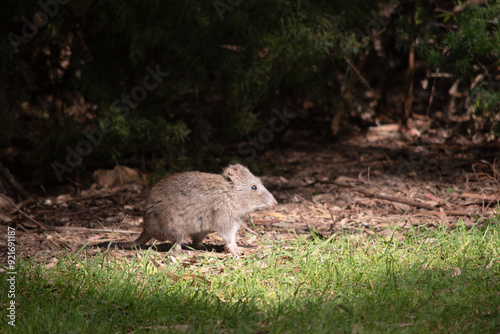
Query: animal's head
[[251, 193]]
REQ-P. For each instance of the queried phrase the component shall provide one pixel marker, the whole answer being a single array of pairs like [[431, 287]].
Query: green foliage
[[469, 49], [228, 72], [227, 69]]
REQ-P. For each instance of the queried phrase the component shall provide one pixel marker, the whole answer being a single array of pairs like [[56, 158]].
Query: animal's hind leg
[[198, 238]]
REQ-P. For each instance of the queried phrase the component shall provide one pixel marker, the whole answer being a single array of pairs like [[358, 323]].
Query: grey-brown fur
[[191, 204]]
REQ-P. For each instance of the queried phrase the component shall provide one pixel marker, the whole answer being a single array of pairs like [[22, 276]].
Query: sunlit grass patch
[[430, 280]]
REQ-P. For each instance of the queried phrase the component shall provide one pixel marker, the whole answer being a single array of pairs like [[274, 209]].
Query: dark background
[[73, 96]]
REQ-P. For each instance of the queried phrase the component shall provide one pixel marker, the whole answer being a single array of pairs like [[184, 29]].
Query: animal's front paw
[[234, 250]]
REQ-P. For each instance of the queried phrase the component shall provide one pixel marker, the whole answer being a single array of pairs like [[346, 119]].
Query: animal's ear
[[234, 173]]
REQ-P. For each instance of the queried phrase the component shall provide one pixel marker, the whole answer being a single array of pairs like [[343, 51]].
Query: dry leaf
[[490, 264]]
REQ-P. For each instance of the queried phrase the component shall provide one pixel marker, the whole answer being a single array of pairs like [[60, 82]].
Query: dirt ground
[[357, 186]]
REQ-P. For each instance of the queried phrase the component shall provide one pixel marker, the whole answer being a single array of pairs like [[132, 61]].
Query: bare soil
[[356, 187]]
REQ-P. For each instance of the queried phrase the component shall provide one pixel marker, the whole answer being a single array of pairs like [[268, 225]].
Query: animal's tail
[[136, 244]]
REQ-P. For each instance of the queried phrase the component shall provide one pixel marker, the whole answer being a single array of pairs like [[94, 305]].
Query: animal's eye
[[254, 187]]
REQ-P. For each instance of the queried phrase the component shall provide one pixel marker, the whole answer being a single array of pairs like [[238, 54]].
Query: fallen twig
[[451, 212], [24, 214], [77, 228]]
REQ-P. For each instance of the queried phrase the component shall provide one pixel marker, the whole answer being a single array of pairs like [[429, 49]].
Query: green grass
[[438, 281]]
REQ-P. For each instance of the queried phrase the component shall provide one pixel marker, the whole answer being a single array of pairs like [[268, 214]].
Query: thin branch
[[452, 212], [363, 80], [42, 226]]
